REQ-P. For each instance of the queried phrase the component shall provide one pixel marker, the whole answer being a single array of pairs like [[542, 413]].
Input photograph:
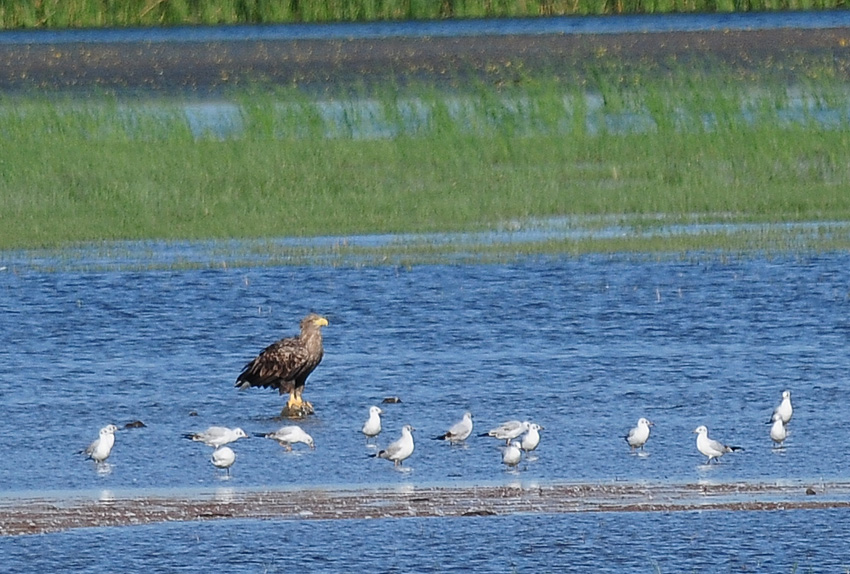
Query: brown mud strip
[[214, 66], [42, 515]]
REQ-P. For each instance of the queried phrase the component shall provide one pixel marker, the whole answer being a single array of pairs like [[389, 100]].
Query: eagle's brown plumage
[[286, 364]]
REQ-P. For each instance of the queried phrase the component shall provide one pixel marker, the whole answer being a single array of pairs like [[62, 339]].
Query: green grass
[[76, 171], [120, 13]]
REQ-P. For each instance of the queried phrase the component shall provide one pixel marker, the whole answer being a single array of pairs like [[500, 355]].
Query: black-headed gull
[[778, 432], [784, 410], [372, 426], [458, 431], [512, 455], [638, 436], [508, 431], [531, 438], [223, 457], [289, 435], [101, 447], [711, 448], [217, 436], [400, 449]]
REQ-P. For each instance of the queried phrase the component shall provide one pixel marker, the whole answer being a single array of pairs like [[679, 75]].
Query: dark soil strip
[[38, 516], [214, 66]]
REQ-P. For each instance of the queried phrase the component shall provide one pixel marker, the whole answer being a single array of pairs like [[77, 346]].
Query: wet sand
[[216, 66], [43, 515]]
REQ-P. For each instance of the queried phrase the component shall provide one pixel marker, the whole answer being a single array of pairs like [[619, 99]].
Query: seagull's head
[[409, 428], [467, 415], [239, 433], [701, 429], [375, 411], [646, 422], [786, 394], [108, 429]]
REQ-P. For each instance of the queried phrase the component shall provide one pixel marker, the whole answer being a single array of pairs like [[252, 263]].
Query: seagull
[[223, 457], [289, 435], [400, 449], [531, 438], [784, 410], [512, 455], [638, 436], [372, 427], [459, 431], [711, 448], [507, 430], [217, 436], [100, 448], [778, 433]]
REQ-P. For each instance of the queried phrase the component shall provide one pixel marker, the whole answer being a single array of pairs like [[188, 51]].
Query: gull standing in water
[[785, 411], [638, 436], [512, 455], [372, 427], [217, 436], [101, 447], [289, 435], [400, 449], [778, 432], [223, 457], [459, 431], [508, 430], [531, 438], [711, 448]]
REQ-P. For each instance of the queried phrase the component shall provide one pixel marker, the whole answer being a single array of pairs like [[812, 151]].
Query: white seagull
[[400, 449], [372, 427], [459, 431], [778, 433], [531, 438], [512, 455], [711, 448], [638, 436], [508, 430], [100, 448], [217, 436], [784, 410], [289, 435], [223, 457]]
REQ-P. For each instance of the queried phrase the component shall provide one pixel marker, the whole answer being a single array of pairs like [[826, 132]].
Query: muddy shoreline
[[45, 515], [206, 67]]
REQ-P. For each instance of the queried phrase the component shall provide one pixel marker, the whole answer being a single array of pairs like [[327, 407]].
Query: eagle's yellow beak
[[320, 322]]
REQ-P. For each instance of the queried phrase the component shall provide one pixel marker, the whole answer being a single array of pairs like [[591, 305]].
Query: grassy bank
[[271, 165], [121, 13]]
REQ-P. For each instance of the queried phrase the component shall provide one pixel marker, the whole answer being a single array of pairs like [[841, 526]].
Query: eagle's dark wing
[[282, 365]]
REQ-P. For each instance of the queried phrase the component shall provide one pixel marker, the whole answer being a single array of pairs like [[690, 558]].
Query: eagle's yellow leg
[[296, 406], [294, 402]]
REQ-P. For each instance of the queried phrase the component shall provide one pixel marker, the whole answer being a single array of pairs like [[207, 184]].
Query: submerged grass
[[273, 165]]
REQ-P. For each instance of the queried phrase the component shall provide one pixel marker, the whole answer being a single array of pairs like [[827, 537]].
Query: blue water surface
[[584, 346], [716, 541]]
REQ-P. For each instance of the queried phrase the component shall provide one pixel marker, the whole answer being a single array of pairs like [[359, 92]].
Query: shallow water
[[582, 346], [608, 542], [445, 28]]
